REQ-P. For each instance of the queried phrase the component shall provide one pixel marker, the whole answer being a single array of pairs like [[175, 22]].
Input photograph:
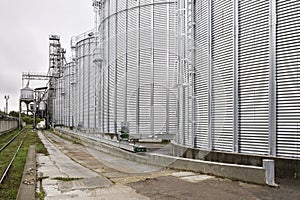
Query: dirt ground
[[171, 188]]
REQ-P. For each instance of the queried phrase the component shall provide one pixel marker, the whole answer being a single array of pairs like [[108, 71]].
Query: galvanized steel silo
[[138, 39], [85, 85], [68, 76], [245, 78]]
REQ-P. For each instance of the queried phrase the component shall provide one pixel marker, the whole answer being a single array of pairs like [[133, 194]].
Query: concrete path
[[56, 169], [109, 177]]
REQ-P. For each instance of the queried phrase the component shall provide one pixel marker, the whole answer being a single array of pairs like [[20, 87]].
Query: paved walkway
[[107, 177], [57, 168]]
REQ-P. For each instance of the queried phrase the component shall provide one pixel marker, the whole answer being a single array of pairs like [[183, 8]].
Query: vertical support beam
[[108, 67], [192, 76], [126, 63], [152, 72], [186, 78], [168, 70], [272, 81], [210, 145], [101, 98], [101, 111], [89, 85], [180, 101], [83, 82], [116, 72], [96, 71], [138, 69], [235, 147]]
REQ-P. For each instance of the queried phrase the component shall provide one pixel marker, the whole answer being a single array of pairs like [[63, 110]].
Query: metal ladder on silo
[[186, 72], [190, 61]]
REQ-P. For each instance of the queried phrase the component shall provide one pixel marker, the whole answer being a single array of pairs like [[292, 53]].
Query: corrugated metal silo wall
[[288, 78], [59, 101], [85, 84], [66, 80], [247, 76], [69, 93], [139, 50]]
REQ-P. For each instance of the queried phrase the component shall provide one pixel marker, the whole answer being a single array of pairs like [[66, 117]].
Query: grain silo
[[84, 100], [244, 83], [138, 43]]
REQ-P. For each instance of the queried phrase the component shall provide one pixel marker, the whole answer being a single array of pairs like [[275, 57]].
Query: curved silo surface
[[69, 93], [139, 45], [85, 74]]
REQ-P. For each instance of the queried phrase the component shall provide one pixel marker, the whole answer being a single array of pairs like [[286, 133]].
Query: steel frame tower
[[56, 63]]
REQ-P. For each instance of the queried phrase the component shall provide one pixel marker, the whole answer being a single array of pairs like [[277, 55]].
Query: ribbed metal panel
[[222, 75], [112, 7], [67, 81], [121, 65], [73, 96], [77, 95], [105, 96], [129, 47], [132, 4], [132, 69], [160, 67], [201, 76], [145, 70], [288, 78], [85, 82], [80, 85], [254, 76], [105, 103], [145, 2], [121, 5], [92, 84], [111, 73], [172, 69]]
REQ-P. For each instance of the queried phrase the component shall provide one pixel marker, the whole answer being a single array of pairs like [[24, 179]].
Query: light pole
[[6, 97]]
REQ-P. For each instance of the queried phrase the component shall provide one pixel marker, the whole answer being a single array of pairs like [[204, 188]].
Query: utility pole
[[6, 97]]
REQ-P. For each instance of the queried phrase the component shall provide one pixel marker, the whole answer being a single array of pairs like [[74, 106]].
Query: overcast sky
[[24, 29]]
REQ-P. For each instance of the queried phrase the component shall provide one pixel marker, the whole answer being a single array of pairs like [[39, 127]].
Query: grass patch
[[10, 186], [66, 178], [42, 195]]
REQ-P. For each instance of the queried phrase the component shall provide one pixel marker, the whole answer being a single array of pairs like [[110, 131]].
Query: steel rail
[[11, 140], [10, 163]]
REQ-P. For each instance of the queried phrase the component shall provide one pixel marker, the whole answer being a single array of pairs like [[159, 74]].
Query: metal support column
[[108, 67], [116, 73], [235, 147], [152, 72], [89, 85], [126, 63], [168, 71], [191, 25], [210, 145], [272, 81], [138, 70]]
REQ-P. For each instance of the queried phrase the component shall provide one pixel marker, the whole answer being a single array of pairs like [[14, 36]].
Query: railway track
[[10, 146]]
